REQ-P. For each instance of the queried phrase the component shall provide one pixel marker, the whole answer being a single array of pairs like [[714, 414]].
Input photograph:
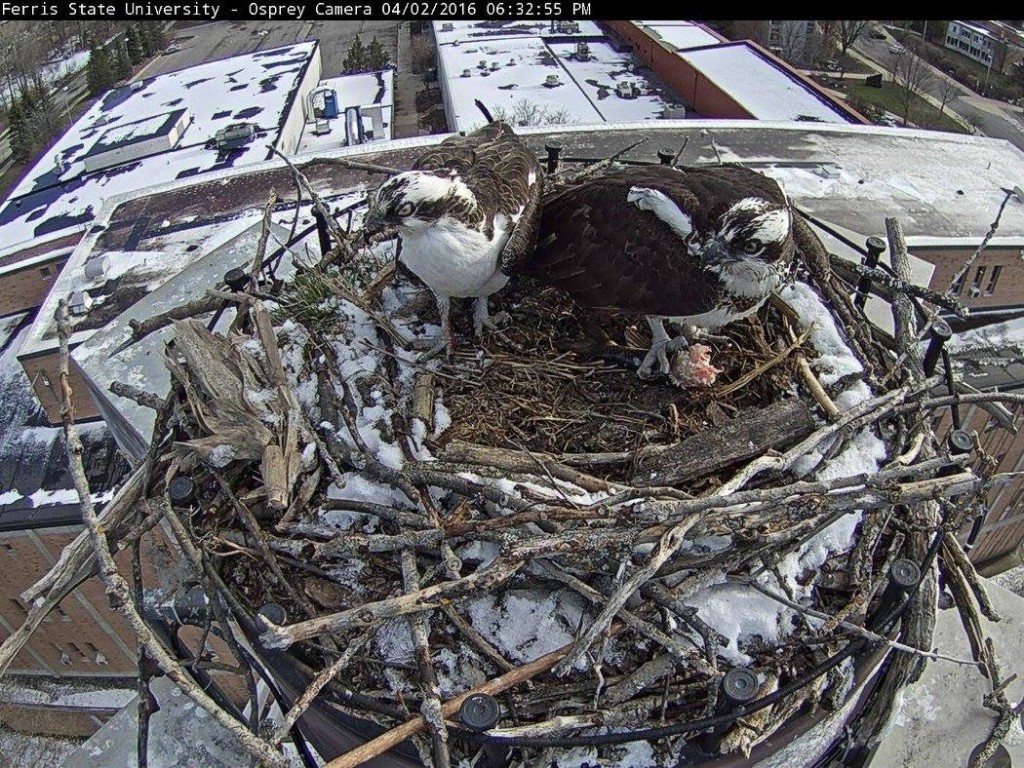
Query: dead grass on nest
[[541, 387]]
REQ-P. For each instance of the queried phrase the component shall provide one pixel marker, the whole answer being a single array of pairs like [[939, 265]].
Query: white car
[[896, 48]]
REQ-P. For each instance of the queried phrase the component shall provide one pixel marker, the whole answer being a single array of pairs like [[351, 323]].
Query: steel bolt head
[[479, 712], [906, 573], [740, 685]]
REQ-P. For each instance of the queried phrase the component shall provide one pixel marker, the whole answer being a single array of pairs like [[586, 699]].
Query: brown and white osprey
[[467, 214], [699, 247]]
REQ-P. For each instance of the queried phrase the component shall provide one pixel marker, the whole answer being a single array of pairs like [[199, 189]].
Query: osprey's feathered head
[[417, 199], [752, 229]]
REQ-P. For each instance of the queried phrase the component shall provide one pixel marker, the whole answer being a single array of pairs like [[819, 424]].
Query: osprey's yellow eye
[[753, 247], [405, 209]]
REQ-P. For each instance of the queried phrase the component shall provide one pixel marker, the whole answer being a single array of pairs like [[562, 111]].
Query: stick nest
[[551, 518]]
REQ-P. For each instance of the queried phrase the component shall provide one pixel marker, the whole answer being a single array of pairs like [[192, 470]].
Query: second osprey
[[699, 247], [467, 214]]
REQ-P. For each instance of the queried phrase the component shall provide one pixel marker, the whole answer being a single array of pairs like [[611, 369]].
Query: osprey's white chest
[[454, 260]]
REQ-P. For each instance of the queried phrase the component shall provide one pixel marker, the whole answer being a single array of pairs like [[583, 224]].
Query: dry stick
[[667, 546], [147, 701], [996, 701], [139, 396], [316, 685], [590, 170], [67, 573], [368, 614], [335, 230], [893, 284], [359, 165], [746, 378], [954, 554], [993, 228], [261, 245], [200, 306], [118, 591], [630, 619], [902, 308], [867, 411], [257, 537], [498, 685], [862, 631], [476, 639], [431, 705], [520, 461]]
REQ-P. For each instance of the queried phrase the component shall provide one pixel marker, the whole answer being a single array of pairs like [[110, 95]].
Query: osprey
[[698, 247], [467, 214]]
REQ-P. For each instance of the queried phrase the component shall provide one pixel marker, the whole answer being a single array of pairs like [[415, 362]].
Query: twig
[[387, 740], [118, 591], [993, 228], [359, 165], [141, 397], [862, 631], [431, 706]]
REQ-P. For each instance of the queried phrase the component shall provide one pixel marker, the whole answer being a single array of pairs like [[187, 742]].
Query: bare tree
[[525, 112], [912, 77], [948, 92], [848, 32]]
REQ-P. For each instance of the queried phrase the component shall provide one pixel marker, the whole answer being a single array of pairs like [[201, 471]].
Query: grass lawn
[[889, 98]]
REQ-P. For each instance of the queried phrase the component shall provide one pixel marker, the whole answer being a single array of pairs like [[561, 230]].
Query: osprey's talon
[[656, 356], [679, 342]]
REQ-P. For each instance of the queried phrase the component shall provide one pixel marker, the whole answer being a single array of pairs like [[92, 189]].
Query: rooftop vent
[[627, 89], [495, 66], [582, 51], [673, 112], [96, 267], [482, 64], [447, 27], [467, 73], [80, 302], [551, 81], [828, 171], [234, 136]]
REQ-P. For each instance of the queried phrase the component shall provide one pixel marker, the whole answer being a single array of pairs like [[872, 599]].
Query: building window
[[46, 271], [9, 549], [959, 284], [62, 613], [78, 650], [993, 280], [979, 277], [18, 605]]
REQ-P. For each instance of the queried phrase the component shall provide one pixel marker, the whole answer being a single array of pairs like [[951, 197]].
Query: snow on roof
[[362, 90], [680, 34], [57, 195], [446, 32], [510, 75], [761, 87], [598, 76]]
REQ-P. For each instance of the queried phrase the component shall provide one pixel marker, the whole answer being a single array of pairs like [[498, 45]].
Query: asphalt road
[[987, 114]]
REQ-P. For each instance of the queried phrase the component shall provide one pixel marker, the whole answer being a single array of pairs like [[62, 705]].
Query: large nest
[[532, 521]]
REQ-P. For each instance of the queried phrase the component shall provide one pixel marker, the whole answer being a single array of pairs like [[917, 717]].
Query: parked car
[[876, 34], [896, 49]]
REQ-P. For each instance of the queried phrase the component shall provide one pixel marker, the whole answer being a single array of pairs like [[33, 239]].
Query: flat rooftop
[[363, 90], [758, 84], [57, 196], [468, 32], [510, 75], [680, 34]]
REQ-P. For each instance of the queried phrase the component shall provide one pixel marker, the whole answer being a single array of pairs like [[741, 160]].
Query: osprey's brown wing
[[608, 254], [497, 166]]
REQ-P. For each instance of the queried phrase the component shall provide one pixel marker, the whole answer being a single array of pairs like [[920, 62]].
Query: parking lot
[[197, 43]]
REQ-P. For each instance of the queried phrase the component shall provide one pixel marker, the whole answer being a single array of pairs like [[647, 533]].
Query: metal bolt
[[236, 279], [740, 685], [554, 152], [938, 335], [479, 712], [666, 156], [875, 246], [182, 490], [959, 442], [905, 573]]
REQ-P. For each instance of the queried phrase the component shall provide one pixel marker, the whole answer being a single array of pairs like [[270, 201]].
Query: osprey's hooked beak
[[717, 252], [373, 222]]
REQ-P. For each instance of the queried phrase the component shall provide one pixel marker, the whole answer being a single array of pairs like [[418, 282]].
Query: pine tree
[[45, 118], [145, 34], [122, 64], [355, 59], [376, 56], [100, 71], [134, 45], [156, 35], [21, 146]]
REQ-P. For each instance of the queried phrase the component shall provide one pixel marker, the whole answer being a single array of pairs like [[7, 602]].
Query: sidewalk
[[405, 122]]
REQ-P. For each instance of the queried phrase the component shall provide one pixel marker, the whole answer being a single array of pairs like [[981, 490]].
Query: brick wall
[[43, 373], [1008, 287], [25, 288]]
